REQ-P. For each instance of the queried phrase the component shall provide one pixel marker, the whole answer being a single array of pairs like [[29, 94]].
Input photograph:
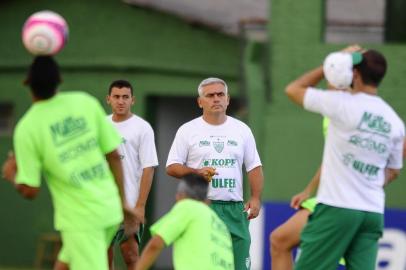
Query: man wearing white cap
[[337, 68], [216, 146], [363, 152]]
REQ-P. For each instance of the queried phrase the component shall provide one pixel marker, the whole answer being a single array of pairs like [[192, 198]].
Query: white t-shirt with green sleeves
[[225, 147], [365, 136], [66, 138], [201, 241]]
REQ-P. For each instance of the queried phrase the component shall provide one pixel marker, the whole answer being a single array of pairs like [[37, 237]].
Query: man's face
[[214, 98], [120, 100]]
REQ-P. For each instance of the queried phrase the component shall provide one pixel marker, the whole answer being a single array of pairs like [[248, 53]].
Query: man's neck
[[36, 99], [121, 117], [367, 89], [215, 119]]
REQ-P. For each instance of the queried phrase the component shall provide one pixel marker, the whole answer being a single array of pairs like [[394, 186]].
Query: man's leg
[[85, 249], [363, 249], [129, 247], [327, 236], [129, 250], [59, 265], [233, 215], [285, 238]]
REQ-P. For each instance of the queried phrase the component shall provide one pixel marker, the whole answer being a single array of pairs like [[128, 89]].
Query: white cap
[[337, 69]]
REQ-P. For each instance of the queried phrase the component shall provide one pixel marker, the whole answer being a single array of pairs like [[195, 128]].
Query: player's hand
[[207, 172], [9, 169], [131, 221], [252, 207], [140, 214], [297, 200]]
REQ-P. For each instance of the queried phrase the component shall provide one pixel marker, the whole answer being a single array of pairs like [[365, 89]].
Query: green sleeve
[[171, 226], [326, 122], [108, 137], [28, 158]]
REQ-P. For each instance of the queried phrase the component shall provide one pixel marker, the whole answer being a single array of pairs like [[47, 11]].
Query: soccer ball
[[45, 33]]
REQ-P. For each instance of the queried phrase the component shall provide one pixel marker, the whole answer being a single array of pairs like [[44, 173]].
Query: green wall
[[293, 144], [160, 54]]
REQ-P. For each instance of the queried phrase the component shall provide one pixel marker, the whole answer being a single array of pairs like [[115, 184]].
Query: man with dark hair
[[201, 240], [139, 158], [66, 137], [362, 153]]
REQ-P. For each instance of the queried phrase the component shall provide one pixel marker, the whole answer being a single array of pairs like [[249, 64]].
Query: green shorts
[[120, 237], [233, 215], [333, 232], [86, 249]]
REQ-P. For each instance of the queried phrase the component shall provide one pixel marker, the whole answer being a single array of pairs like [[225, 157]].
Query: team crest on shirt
[[218, 146]]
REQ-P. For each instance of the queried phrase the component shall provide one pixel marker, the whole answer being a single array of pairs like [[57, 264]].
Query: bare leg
[[129, 250], [285, 238], [61, 266], [110, 255]]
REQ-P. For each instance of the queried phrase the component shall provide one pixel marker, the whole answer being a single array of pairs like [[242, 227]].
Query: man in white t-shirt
[[216, 146], [362, 153], [139, 158]]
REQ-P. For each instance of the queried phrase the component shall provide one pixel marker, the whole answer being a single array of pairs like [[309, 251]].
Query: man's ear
[[108, 99], [199, 103]]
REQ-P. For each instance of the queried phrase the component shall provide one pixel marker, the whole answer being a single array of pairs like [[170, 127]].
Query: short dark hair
[[194, 187], [372, 67], [43, 77], [121, 84]]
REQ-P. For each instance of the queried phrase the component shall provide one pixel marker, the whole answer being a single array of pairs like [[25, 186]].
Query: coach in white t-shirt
[[216, 146], [138, 157], [362, 153]]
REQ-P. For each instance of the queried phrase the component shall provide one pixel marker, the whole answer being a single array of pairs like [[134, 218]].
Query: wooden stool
[[48, 248]]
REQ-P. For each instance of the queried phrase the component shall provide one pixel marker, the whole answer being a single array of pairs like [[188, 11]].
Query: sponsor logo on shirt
[[368, 144], [219, 162], [97, 171], [368, 170], [219, 236], [204, 143], [375, 124], [232, 143], [223, 183], [78, 150], [68, 129]]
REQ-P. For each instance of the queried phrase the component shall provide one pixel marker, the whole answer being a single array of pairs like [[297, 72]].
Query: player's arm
[[256, 180], [296, 90], [150, 253], [390, 175], [9, 173], [145, 188], [297, 200], [131, 219], [178, 170]]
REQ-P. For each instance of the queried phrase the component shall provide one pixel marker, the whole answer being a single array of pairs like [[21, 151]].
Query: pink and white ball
[[45, 33]]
